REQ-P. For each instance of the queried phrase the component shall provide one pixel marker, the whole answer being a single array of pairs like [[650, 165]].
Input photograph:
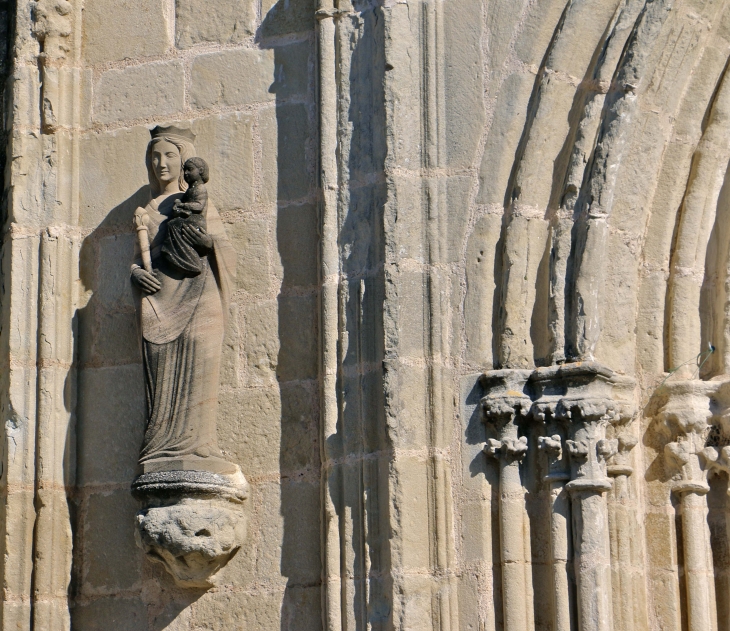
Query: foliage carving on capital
[[508, 450], [619, 463], [685, 460]]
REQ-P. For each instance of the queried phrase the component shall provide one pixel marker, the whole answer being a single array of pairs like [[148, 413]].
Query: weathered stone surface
[[251, 239], [110, 428], [232, 78], [226, 143], [198, 22], [193, 539], [284, 132], [110, 517], [111, 612], [108, 178], [281, 17], [114, 31], [414, 194], [297, 243], [155, 89]]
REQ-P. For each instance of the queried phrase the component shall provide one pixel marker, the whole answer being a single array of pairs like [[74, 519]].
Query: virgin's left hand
[[198, 238]]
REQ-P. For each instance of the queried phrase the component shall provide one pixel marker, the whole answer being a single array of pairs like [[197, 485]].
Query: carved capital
[[507, 450], [588, 410], [589, 451], [506, 398], [685, 414], [501, 410], [683, 458], [620, 462], [716, 458], [552, 446]]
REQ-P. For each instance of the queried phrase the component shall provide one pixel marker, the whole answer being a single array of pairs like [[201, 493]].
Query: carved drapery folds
[[577, 406], [191, 519]]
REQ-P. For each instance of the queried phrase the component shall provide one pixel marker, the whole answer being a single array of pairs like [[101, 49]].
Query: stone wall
[[244, 75], [475, 240]]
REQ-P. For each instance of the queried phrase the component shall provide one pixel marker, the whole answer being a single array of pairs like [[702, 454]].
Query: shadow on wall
[[288, 30], [358, 488], [108, 568]]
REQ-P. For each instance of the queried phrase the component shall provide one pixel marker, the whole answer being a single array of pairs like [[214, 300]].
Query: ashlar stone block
[[221, 22], [108, 177], [155, 89], [120, 614], [250, 238], [280, 17], [226, 144], [129, 29], [232, 78], [297, 240], [110, 517]]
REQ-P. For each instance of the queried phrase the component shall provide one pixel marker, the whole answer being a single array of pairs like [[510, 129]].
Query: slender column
[[718, 458], [329, 316], [560, 536], [626, 598], [588, 451], [503, 408], [685, 457]]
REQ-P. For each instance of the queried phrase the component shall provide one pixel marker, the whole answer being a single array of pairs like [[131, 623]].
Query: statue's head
[[167, 152]]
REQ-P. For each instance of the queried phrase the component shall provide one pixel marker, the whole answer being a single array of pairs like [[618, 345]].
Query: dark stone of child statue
[[188, 211]]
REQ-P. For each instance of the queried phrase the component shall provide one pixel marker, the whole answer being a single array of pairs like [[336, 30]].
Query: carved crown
[[173, 130]]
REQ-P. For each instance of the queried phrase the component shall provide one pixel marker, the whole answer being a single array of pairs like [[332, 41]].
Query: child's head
[[195, 169]]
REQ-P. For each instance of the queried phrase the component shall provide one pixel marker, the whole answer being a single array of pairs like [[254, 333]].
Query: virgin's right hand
[[147, 282]]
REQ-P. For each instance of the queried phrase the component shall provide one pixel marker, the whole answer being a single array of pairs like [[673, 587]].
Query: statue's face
[[166, 162]]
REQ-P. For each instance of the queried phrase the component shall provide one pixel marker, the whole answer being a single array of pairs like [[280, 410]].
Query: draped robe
[[182, 336]]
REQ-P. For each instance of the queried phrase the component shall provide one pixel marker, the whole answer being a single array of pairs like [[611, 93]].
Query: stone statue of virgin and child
[[184, 271]]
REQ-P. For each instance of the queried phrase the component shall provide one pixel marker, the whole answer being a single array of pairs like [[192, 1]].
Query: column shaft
[[512, 532], [698, 567], [560, 555], [592, 558]]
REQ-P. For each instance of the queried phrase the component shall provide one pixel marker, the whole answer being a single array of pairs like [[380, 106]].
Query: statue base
[[191, 521]]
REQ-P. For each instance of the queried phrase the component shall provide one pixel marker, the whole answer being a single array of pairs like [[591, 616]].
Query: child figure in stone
[[188, 211]]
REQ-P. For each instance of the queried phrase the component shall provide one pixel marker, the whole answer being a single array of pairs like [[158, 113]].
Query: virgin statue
[[181, 318]]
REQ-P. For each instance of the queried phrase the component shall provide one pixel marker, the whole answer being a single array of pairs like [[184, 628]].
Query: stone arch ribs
[[597, 197], [695, 220]]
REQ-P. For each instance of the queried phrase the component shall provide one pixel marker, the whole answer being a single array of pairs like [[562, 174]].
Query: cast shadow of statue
[[108, 567], [361, 507]]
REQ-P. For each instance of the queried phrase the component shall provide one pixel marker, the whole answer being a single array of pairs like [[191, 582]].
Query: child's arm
[[197, 203]]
